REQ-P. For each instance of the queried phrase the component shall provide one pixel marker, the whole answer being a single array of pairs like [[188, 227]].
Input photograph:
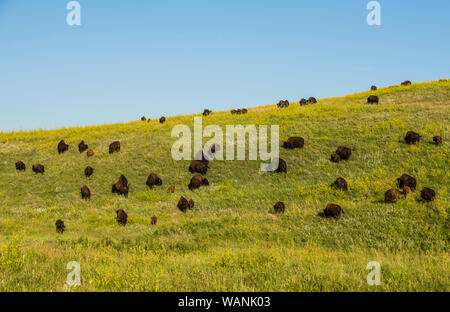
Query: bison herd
[[200, 166]]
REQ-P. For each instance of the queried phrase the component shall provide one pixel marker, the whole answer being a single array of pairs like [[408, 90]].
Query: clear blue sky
[[135, 57]]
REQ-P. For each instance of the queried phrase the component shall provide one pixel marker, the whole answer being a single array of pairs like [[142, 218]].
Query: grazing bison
[[335, 158], [283, 104], [198, 166], [407, 180], [412, 137], [121, 187], [171, 189], [121, 217], [62, 147], [88, 171], [437, 140], [82, 147], [340, 183], [184, 204], [114, 147], [332, 211], [303, 102], [153, 179], [312, 100], [90, 153], [294, 142], [162, 119], [427, 194], [344, 152], [85, 193], [197, 181], [393, 195], [282, 167], [373, 99], [279, 207], [244, 111], [373, 88], [406, 83], [20, 166], [143, 118], [60, 227], [38, 168], [154, 220], [206, 112]]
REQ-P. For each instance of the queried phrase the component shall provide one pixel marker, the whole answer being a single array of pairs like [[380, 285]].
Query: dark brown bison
[[198, 166], [332, 211], [344, 152], [85, 193], [303, 102], [121, 187], [121, 217], [335, 158], [406, 83], [294, 142], [88, 171], [90, 153], [283, 104], [143, 118], [312, 100], [233, 112], [340, 184], [393, 195], [437, 140], [153, 179], [206, 112], [114, 147], [154, 220], [244, 111], [171, 189], [373, 99], [373, 88], [20, 165], [197, 181], [82, 147], [279, 207], [412, 137], [407, 180], [38, 168], [62, 147], [162, 119], [60, 227], [427, 194], [184, 204], [282, 167]]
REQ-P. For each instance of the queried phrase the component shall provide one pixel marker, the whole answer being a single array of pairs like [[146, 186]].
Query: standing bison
[[85, 193], [412, 137], [38, 168], [121, 187], [373, 99], [279, 207], [121, 217], [407, 180], [153, 180], [184, 204], [198, 166], [62, 147], [197, 181], [88, 171], [60, 227], [114, 147], [82, 147], [332, 211], [20, 166]]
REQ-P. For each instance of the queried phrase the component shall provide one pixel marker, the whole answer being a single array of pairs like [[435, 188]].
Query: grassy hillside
[[231, 240]]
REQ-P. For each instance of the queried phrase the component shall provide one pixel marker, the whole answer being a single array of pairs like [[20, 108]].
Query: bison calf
[[60, 227], [332, 211], [153, 179], [171, 189], [121, 217], [90, 153], [20, 166]]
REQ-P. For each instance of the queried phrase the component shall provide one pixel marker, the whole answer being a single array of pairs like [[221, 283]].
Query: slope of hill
[[231, 240]]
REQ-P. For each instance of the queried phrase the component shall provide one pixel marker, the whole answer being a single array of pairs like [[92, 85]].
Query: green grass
[[232, 241]]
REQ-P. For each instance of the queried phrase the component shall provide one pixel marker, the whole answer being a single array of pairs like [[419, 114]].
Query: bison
[[85, 193], [206, 112], [283, 104], [282, 167], [373, 99], [62, 147], [38, 168], [198, 166], [197, 181], [373, 88], [427, 194], [303, 102], [162, 120], [335, 158], [437, 140], [344, 152], [340, 183], [121, 217], [412, 137], [20, 165], [88, 171], [279, 207], [82, 147], [332, 211], [294, 142], [90, 153], [153, 179], [121, 187], [154, 220], [312, 100], [407, 180], [393, 195], [171, 189], [60, 227], [114, 147], [184, 204], [143, 118], [406, 83]]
